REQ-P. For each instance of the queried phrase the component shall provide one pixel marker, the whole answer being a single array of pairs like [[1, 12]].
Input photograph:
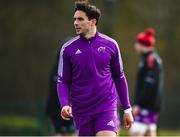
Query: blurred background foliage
[[31, 33]]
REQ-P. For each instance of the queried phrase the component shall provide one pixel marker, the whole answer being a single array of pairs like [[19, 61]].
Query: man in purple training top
[[90, 75]]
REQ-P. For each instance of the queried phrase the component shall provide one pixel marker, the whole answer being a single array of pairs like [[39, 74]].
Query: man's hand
[[66, 112], [128, 120]]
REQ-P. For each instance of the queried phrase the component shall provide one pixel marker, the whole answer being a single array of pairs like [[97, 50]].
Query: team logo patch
[[101, 49]]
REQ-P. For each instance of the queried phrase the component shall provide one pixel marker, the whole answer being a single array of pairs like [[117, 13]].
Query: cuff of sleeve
[[128, 110]]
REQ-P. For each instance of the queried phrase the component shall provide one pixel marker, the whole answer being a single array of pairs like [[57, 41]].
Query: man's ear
[[94, 21]]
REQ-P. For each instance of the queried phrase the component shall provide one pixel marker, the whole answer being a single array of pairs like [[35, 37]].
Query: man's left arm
[[121, 86]]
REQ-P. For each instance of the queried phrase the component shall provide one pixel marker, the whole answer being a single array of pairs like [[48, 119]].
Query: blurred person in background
[[148, 94], [91, 77], [60, 126]]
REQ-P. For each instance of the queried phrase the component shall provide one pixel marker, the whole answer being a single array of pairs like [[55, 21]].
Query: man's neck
[[91, 33]]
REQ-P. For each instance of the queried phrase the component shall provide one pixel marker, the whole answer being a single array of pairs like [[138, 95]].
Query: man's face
[[81, 23], [140, 49]]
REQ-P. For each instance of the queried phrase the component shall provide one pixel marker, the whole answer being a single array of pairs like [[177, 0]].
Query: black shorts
[[62, 126]]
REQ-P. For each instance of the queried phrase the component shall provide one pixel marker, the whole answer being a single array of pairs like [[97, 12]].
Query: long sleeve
[[120, 79], [64, 78]]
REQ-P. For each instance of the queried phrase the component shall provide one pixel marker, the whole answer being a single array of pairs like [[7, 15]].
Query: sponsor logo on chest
[[101, 49]]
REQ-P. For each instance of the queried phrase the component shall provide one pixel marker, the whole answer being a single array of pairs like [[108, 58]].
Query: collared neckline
[[92, 38]]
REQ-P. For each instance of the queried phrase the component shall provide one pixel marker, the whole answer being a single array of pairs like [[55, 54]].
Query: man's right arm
[[64, 78]]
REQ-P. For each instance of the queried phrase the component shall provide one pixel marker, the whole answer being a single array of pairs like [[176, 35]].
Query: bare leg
[[151, 133], [136, 134], [106, 133]]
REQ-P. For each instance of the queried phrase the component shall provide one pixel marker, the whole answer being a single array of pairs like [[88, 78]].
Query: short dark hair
[[91, 11]]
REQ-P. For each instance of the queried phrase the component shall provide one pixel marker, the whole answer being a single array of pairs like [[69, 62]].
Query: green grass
[[168, 132], [18, 126]]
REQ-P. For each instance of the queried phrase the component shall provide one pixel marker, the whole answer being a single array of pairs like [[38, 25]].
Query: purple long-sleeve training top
[[90, 74]]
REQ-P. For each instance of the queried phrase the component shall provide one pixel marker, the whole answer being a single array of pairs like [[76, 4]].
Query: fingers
[[70, 112], [128, 120], [65, 118], [127, 124], [66, 112]]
